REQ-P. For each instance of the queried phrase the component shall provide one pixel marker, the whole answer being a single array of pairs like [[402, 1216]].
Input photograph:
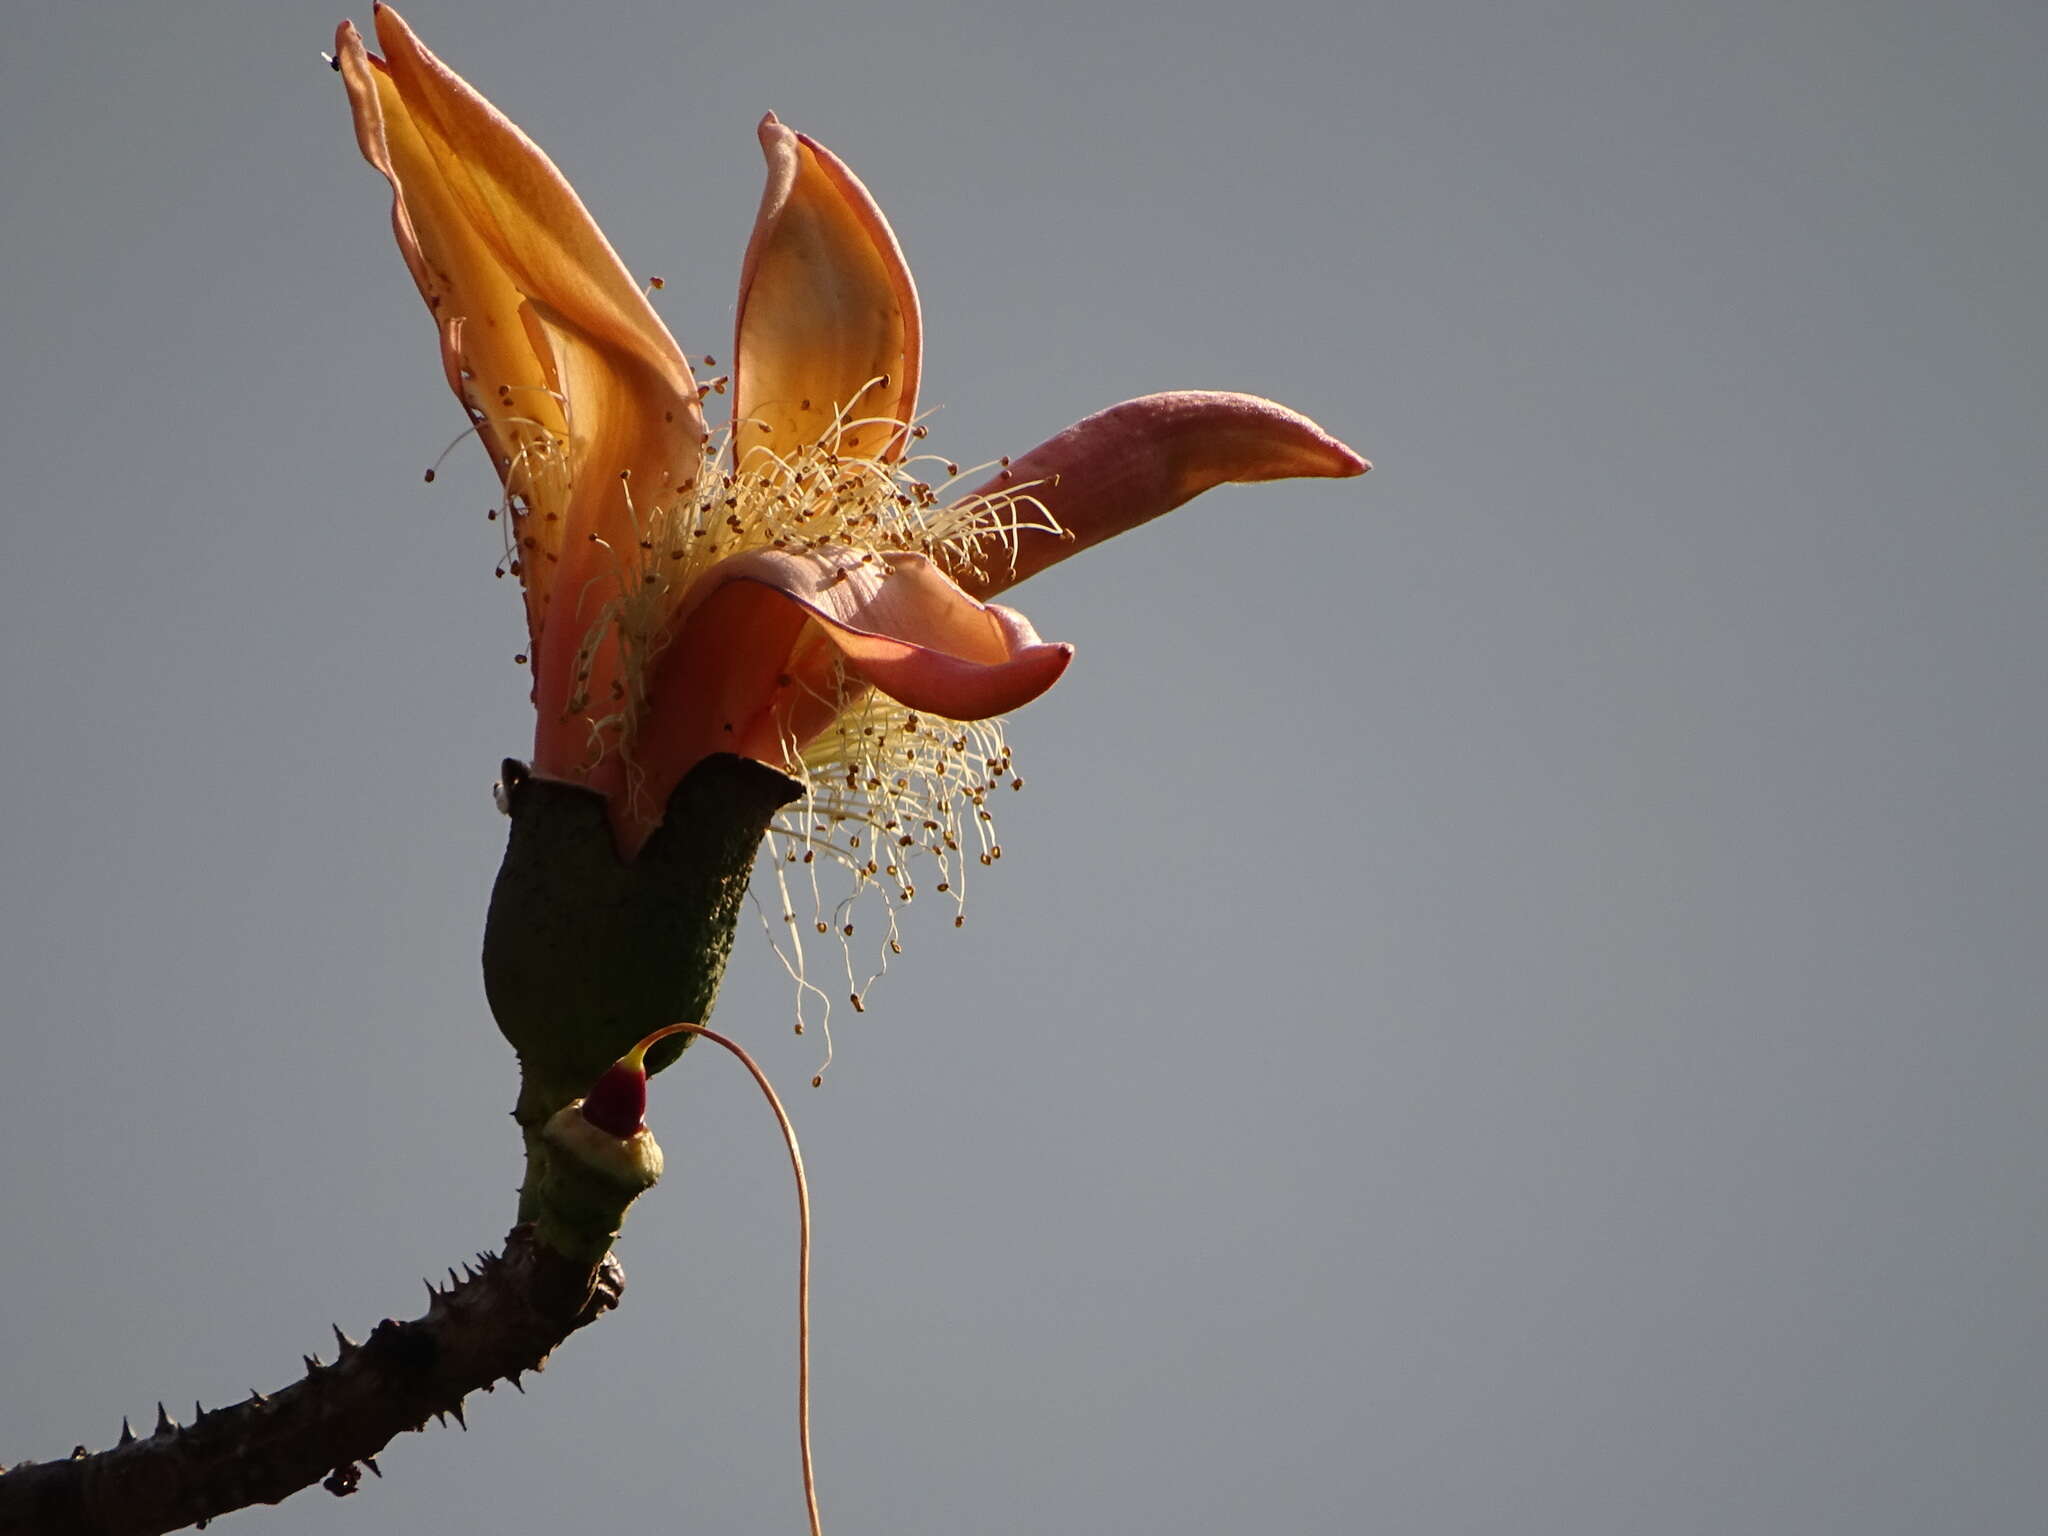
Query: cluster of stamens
[[889, 793], [892, 798]]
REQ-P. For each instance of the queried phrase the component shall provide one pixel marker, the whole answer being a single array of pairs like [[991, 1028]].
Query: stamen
[[885, 787]]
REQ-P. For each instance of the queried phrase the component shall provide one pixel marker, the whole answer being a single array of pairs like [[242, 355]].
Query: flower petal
[[474, 302], [828, 317], [1128, 464], [753, 661], [549, 342], [916, 636]]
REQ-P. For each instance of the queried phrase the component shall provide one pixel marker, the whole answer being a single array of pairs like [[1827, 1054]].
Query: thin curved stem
[[803, 1249]]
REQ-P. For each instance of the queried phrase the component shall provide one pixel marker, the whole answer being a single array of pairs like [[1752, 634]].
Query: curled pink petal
[[916, 636], [752, 661], [1128, 464]]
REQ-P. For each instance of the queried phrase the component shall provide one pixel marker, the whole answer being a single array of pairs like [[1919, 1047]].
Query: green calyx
[[586, 954]]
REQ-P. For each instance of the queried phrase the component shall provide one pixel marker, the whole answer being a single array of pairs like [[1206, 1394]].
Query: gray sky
[[1513, 997]]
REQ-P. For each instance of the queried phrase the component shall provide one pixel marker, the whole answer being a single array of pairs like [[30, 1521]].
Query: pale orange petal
[[511, 195], [567, 351], [751, 666], [1128, 464], [828, 318], [475, 305]]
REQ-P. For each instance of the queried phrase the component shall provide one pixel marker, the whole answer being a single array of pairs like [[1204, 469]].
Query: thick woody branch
[[500, 1321]]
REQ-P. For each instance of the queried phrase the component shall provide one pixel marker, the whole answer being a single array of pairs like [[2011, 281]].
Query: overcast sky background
[[1513, 1000]]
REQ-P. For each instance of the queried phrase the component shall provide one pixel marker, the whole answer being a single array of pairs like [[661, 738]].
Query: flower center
[[890, 793]]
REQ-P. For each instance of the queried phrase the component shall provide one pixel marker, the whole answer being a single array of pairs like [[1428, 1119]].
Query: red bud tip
[[616, 1105]]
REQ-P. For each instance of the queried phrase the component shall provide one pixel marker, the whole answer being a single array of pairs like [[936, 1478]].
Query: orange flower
[[803, 599]]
